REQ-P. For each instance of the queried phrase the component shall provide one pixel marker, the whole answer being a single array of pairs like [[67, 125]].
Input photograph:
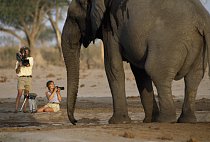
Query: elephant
[[163, 40]]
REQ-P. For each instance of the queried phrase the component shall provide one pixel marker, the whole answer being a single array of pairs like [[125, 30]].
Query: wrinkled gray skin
[[163, 40]]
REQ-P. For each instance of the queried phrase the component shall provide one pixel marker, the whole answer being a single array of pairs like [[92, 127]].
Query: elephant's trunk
[[72, 81], [72, 66], [71, 53]]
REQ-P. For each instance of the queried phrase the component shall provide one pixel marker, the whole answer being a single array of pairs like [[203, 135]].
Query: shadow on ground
[[89, 111]]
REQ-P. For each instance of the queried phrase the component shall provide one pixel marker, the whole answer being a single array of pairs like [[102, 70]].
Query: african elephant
[[163, 40]]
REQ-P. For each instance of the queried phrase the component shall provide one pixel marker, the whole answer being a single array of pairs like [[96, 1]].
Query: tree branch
[[13, 34]]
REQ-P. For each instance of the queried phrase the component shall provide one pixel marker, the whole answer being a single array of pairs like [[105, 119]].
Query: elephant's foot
[[119, 119], [155, 114], [166, 118], [147, 120], [154, 118], [189, 118], [72, 119], [150, 120]]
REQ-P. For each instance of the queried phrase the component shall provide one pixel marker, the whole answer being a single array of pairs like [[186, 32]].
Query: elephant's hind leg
[[167, 108], [192, 81], [188, 108], [145, 88], [162, 74]]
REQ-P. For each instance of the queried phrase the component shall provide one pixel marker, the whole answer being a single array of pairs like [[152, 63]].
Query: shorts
[[54, 106], [24, 83]]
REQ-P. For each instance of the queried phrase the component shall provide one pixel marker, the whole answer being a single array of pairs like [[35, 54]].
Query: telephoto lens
[[61, 88]]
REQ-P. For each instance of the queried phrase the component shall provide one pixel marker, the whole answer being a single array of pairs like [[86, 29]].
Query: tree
[[45, 36], [54, 15], [24, 19]]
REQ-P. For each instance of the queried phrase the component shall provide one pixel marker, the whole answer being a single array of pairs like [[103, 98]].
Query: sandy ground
[[93, 109]]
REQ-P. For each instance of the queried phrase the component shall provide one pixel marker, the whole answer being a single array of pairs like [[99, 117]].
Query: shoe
[[34, 111], [25, 111], [16, 111]]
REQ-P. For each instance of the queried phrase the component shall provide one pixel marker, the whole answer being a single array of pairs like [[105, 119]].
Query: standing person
[[23, 70], [54, 98]]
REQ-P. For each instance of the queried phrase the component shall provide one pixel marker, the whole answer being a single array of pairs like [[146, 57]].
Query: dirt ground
[[93, 109]]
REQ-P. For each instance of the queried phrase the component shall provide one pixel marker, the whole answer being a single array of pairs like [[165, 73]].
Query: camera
[[61, 88], [21, 57]]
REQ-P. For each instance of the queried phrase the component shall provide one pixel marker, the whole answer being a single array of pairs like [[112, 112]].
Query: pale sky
[[206, 4]]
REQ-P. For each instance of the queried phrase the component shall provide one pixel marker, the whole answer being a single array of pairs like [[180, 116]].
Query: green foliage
[[47, 34], [14, 12], [27, 16]]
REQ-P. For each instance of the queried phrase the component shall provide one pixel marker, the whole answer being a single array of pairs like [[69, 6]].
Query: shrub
[[90, 57]]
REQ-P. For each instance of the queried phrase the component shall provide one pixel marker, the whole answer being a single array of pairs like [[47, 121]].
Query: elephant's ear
[[96, 14]]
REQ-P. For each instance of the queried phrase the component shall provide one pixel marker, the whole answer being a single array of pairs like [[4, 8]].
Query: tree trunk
[[58, 38], [38, 59], [54, 24]]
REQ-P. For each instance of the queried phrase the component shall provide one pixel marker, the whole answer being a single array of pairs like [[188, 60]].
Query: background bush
[[7, 57], [90, 57]]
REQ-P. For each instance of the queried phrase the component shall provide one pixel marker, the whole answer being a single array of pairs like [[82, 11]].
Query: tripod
[[32, 102]]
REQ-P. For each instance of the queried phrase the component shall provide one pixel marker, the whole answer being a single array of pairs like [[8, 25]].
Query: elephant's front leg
[[116, 78]]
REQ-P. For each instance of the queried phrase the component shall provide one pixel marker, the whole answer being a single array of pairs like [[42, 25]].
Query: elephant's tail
[[203, 26], [206, 34], [207, 40], [204, 29]]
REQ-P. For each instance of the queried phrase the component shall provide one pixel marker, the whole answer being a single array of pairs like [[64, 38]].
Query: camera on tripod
[[21, 56], [61, 88]]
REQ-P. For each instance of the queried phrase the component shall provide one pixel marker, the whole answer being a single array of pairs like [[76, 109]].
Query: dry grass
[[7, 57], [3, 79], [192, 140], [50, 75], [127, 135]]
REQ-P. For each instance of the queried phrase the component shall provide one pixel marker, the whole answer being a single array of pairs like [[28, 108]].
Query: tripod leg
[[23, 104]]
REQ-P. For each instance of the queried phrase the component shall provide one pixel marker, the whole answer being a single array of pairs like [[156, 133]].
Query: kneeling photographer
[[23, 69], [54, 98]]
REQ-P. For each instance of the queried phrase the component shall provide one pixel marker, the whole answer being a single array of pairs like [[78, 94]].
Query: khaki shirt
[[25, 71]]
